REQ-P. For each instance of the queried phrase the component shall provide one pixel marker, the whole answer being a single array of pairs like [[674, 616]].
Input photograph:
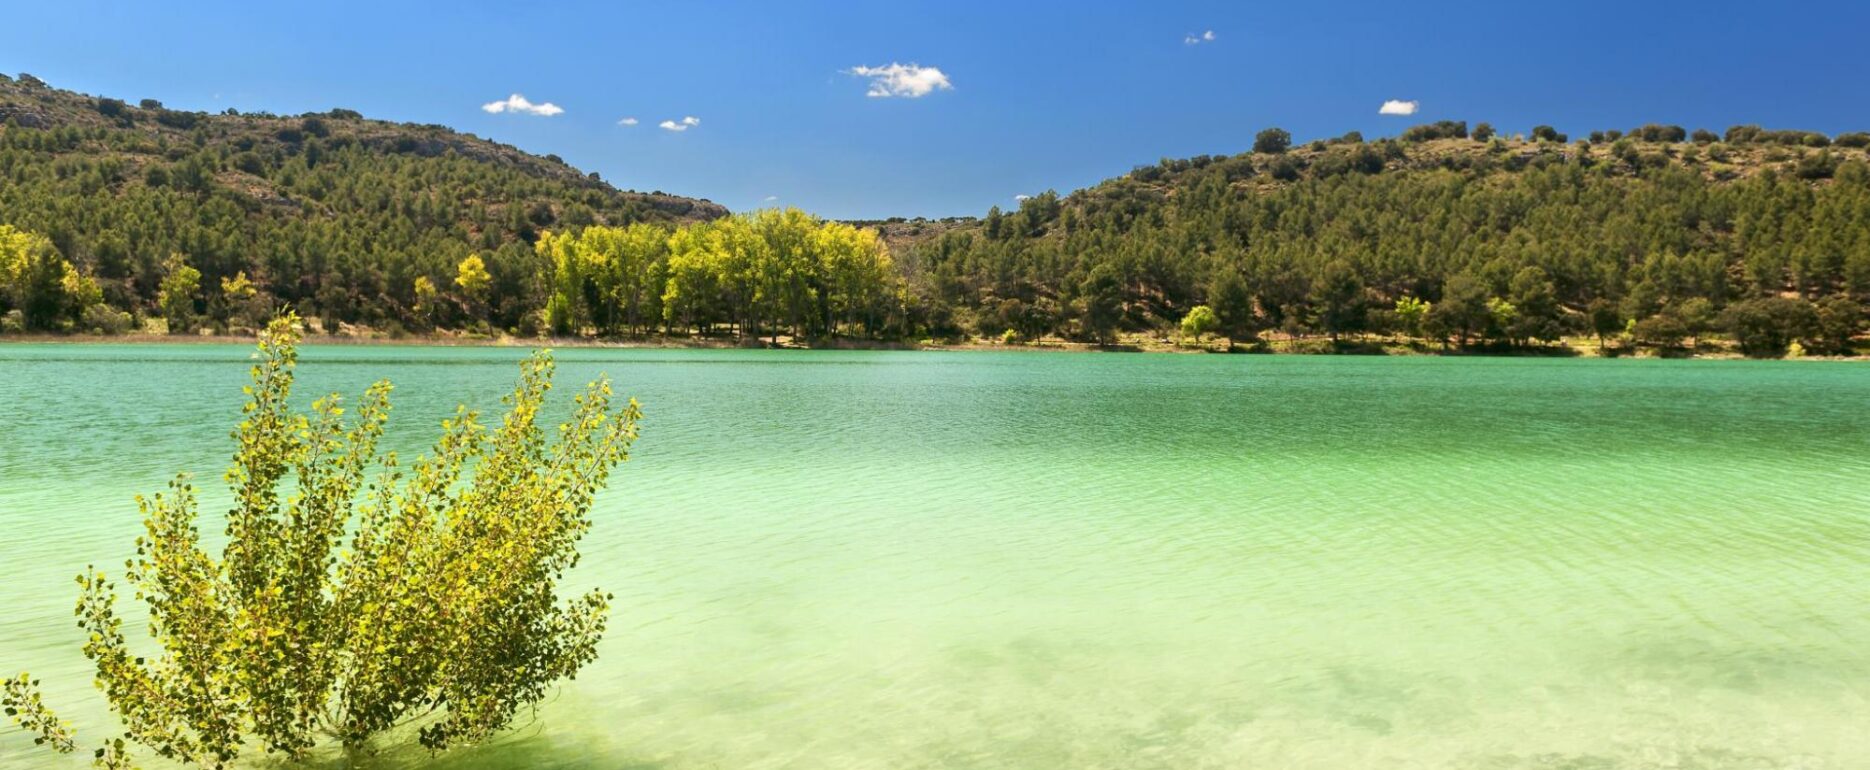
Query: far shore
[[1570, 347]]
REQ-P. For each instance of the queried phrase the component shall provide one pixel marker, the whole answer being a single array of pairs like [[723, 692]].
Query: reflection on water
[[973, 560]]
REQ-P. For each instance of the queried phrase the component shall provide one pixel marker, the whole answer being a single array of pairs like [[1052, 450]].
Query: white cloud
[[770, 198], [1194, 39], [682, 125], [1021, 197], [1398, 107], [627, 122], [520, 104], [908, 80]]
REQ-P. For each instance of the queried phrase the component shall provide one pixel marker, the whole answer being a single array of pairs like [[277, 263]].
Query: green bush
[[1200, 322], [1548, 134], [1816, 165], [440, 613], [1838, 319], [1766, 327], [103, 319], [1272, 141], [1444, 129], [1663, 331]]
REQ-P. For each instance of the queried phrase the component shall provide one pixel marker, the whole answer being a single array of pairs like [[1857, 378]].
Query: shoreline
[[1136, 343]]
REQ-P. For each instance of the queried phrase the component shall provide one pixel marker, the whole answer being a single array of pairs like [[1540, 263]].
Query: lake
[[1049, 560]]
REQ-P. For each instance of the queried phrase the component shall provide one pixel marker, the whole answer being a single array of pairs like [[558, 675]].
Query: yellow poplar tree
[[472, 276]]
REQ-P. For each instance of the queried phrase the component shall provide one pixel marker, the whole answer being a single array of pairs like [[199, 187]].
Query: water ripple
[[930, 560]]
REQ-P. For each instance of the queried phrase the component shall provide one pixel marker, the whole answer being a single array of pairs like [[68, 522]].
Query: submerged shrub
[[440, 615]]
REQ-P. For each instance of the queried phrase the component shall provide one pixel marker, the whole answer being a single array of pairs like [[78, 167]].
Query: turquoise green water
[[1003, 560]]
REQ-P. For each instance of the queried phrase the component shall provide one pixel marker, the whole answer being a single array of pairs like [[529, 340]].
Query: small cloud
[[682, 125], [520, 104], [1022, 198], [1194, 39], [1398, 107], [911, 80], [770, 198], [627, 122]]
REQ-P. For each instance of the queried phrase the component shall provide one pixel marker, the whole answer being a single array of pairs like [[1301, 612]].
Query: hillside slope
[[1445, 235], [331, 212], [1505, 239]]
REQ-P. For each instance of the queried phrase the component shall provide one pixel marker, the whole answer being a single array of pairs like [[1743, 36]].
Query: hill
[[329, 212], [1441, 234], [113, 214]]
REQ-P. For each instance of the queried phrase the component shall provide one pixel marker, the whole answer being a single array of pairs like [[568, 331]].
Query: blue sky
[[1040, 95]]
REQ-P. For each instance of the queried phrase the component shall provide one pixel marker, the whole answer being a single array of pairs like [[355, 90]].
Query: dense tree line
[[330, 214], [1460, 241], [769, 272], [1454, 236], [222, 221]]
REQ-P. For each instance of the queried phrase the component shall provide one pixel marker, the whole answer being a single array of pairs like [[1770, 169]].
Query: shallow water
[[1005, 560]]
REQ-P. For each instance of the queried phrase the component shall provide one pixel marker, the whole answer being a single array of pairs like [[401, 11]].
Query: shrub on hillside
[[1272, 141]]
